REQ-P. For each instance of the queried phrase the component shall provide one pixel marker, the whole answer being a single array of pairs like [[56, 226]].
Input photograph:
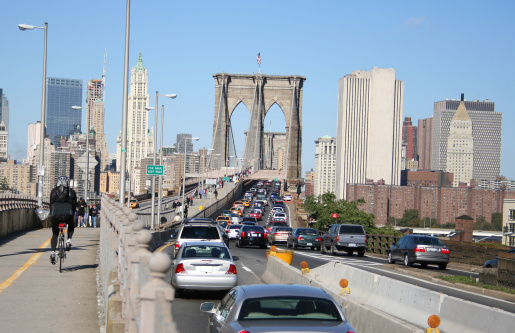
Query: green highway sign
[[226, 179], [155, 170]]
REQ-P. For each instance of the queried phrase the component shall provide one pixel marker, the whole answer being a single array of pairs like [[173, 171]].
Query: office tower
[[486, 132], [409, 137], [309, 183], [460, 147], [4, 135], [369, 128], [33, 137], [425, 142], [4, 109], [325, 165], [184, 140], [96, 114], [140, 139], [61, 119], [275, 146]]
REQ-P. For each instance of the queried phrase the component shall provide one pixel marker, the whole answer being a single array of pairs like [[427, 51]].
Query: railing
[[17, 201], [380, 243]]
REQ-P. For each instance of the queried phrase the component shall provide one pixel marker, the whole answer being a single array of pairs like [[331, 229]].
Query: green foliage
[[3, 184], [410, 219], [482, 224], [386, 231], [497, 221], [323, 206]]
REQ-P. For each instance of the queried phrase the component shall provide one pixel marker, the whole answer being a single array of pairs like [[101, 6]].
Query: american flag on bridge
[[259, 58]]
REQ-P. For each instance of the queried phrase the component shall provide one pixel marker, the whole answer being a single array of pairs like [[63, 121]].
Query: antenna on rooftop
[[104, 77]]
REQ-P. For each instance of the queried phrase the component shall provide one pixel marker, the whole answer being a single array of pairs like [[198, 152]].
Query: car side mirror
[[235, 258], [207, 307]]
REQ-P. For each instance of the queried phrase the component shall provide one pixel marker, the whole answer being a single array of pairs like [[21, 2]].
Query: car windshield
[[427, 241], [253, 228], [200, 232], [307, 232], [283, 229], [206, 251], [289, 308], [235, 226], [351, 229]]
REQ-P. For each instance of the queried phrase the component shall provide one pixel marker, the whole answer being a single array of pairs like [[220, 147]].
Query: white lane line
[[251, 272]]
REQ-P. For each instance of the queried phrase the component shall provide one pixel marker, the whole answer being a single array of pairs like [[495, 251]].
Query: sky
[[440, 49]]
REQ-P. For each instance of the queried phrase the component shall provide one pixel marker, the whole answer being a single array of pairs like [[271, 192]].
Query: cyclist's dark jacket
[[64, 194]]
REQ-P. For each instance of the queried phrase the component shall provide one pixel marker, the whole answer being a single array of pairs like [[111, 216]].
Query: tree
[[323, 206], [497, 221], [3, 184], [481, 224]]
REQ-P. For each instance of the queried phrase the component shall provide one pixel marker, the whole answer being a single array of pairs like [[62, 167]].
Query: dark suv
[[200, 229], [251, 235], [419, 249]]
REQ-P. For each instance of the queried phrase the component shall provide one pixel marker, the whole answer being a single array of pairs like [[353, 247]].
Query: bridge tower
[[258, 92]]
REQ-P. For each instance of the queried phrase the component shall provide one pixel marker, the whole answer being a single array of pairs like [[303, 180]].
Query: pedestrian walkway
[[35, 297]]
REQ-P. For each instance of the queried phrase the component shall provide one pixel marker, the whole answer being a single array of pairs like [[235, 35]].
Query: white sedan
[[233, 230]]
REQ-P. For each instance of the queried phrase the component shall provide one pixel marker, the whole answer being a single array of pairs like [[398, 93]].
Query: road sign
[[155, 170], [226, 179], [334, 215]]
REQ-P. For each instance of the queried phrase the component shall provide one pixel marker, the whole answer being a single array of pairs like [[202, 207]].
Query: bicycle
[[61, 246]]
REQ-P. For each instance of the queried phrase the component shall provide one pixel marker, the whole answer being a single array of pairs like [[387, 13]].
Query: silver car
[[420, 249], [276, 308], [233, 230], [203, 266]]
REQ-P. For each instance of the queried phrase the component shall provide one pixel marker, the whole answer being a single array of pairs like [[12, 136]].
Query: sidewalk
[[35, 297]]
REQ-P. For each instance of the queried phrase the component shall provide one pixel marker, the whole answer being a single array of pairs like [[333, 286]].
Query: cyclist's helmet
[[62, 181]]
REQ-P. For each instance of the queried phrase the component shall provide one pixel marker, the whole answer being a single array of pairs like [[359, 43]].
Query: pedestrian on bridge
[[216, 194]]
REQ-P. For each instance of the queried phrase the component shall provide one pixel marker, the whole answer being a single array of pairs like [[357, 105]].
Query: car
[[233, 230], [251, 235], [235, 218], [279, 215], [227, 213], [420, 249], [288, 198], [277, 209], [249, 223], [237, 210], [246, 202], [223, 218], [250, 219], [203, 266], [279, 234], [277, 308], [272, 224], [238, 203], [304, 237], [256, 213], [493, 262], [262, 197], [273, 195], [200, 229], [134, 203]]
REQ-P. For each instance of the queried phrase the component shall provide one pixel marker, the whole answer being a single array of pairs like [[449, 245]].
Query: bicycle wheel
[[61, 252]]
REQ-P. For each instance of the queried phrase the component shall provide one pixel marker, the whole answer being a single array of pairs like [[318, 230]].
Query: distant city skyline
[[185, 51]]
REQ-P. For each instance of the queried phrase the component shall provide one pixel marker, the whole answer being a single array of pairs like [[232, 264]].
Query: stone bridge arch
[[259, 92]]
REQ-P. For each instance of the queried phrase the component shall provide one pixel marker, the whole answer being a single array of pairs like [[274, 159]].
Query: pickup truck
[[344, 237]]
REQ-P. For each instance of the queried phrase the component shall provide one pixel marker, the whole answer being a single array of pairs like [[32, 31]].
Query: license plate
[[352, 245], [310, 243], [255, 235], [431, 249], [206, 269]]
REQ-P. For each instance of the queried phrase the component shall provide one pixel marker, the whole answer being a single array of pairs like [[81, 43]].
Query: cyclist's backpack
[[62, 205]]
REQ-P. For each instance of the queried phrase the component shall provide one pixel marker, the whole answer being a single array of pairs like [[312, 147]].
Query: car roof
[[268, 290], [197, 243]]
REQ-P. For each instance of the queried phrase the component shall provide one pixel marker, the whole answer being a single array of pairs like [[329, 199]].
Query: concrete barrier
[[381, 304]]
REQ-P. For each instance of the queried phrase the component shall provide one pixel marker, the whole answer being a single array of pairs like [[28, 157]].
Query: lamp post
[[41, 168], [154, 223], [76, 107], [184, 174]]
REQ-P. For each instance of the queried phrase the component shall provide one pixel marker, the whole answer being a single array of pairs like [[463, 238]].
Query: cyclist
[[63, 202]]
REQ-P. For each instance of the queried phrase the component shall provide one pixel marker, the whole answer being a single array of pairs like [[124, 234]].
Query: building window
[[512, 215]]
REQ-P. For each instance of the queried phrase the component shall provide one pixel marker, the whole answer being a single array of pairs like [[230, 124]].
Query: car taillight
[[177, 245], [318, 239], [300, 238], [244, 331], [444, 250], [243, 234], [420, 249], [232, 270], [264, 235], [366, 239], [337, 238], [180, 269]]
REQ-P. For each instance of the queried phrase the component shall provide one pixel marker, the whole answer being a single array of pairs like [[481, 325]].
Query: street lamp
[[76, 107], [184, 174], [41, 168], [153, 223]]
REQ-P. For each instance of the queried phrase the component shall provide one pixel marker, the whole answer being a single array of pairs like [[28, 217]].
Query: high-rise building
[[33, 137], [140, 140], [274, 150], [4, 109], [96, 115], [369, 128], [460, 147], [61, 119], [409, 137], [325, 165], [184, 142], [425, 141], [309, 181], [4, 135], [486, 132]]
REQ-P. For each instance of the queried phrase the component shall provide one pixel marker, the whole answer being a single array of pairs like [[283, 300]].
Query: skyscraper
[[62, 120], [409, 137], [460, 147], [96, 114], [425, 141], [325, 165], [4, 135], [140, 139], [486, 132], [369, 128], [4, 110], [184, 142]]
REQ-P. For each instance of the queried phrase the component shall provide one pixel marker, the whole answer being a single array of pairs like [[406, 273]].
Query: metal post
[[160, 194], [152, 218], [183, 178], [87, 156], [125, 102]]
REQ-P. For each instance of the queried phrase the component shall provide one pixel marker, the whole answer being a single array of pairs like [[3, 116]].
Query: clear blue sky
[[440, 49]]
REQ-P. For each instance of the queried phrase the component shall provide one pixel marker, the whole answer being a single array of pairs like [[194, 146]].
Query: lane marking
[[251, 272], [33, 260]]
